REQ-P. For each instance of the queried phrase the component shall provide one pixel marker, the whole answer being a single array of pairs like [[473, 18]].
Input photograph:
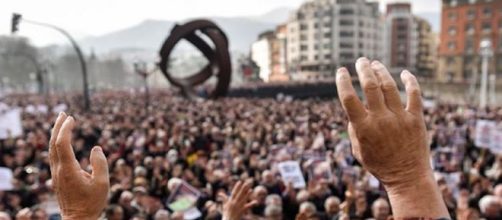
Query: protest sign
[[6, 179], [291, 172], [484, 130], [10, 124], [489, 135], [183, 197]]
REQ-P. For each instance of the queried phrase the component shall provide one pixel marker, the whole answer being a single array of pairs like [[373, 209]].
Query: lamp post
[[140, 67], [17, 18], [486, 52]]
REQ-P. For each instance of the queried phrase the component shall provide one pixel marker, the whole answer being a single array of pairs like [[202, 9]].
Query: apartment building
[[464, 24]]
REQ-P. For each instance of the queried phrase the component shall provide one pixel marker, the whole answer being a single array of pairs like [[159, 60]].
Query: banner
[[291, 172], [10, 124], [6, 179]]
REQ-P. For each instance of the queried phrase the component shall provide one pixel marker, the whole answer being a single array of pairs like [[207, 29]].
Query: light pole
[[17, 18], [140, 67], [486, 53]]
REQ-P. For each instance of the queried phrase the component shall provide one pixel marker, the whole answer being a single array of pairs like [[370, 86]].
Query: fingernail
[[97, 149], [362, 59]]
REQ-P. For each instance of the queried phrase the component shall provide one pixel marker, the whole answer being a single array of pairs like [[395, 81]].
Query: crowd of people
[[202, 148]]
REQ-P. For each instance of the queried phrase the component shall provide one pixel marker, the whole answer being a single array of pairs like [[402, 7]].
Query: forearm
[[418, 199]]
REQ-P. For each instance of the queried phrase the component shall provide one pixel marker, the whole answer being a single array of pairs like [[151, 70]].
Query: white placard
[[291, 172], [10, 124], [484, 130], [6, 179]]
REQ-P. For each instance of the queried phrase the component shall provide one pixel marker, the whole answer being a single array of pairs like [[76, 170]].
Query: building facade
[[323, 35], [464, 24], [400, 38], [426, 57], [261, 54], [409, 41]]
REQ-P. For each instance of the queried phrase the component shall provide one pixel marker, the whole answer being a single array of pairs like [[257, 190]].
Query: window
[[303, 37], [346, 45], [346, 11], [327, 35], [452, 16], [402, 27], [452, 45], [346, 34], [346, 22], [316, 25], [327, 56], [469, 28], [327, 46], [471, 14], [316, 57], [450, 61], [327, 24], [469, 46], [487, 26], [303, 27], [487, 12], [304, 47], [452, 31]]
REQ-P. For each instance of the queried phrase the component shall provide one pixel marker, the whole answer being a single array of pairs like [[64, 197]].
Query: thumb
[[99, 165]]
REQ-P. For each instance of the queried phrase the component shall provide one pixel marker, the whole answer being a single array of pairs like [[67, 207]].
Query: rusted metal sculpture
[[219, 57]]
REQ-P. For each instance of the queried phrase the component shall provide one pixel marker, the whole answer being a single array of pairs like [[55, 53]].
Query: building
[[279, 55], [409, 41], [400, 38], [426, 57], [464, 23], [269, 54], [261, 54], [323, 35]]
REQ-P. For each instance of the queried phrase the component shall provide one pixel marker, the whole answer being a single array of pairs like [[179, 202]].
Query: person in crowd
[[376, 150]]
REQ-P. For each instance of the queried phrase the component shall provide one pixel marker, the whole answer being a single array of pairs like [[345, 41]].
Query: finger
[[413, 93], [348, 97], [370, 84], [241, 195], [245, 197], [63, 143], [53, 156], [236, 189], [388, 87], [250, 204], [99, 165], [223, 197]]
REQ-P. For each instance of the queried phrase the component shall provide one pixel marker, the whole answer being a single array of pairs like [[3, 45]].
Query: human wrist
[[79, 217], [418, 198]]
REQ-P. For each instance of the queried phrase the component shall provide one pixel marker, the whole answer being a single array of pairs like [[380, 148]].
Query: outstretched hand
[[81, 195], [390, 140], [238, 203]]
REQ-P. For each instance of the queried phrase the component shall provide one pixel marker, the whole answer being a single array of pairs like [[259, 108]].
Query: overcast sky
[[97, 17]]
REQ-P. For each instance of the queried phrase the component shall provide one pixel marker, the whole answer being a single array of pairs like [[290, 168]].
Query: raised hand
[[81, 195], [238, 203], [390, 140]]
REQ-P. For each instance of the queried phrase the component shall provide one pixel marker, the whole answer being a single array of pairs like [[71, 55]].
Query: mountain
[[276, 16], [150, 34]]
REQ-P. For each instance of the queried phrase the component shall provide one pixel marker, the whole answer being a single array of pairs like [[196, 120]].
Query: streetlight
[[17, 18], [486, 52], [140, 67]]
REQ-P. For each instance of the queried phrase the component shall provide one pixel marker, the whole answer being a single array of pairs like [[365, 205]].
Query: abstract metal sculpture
[[219, 57]]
